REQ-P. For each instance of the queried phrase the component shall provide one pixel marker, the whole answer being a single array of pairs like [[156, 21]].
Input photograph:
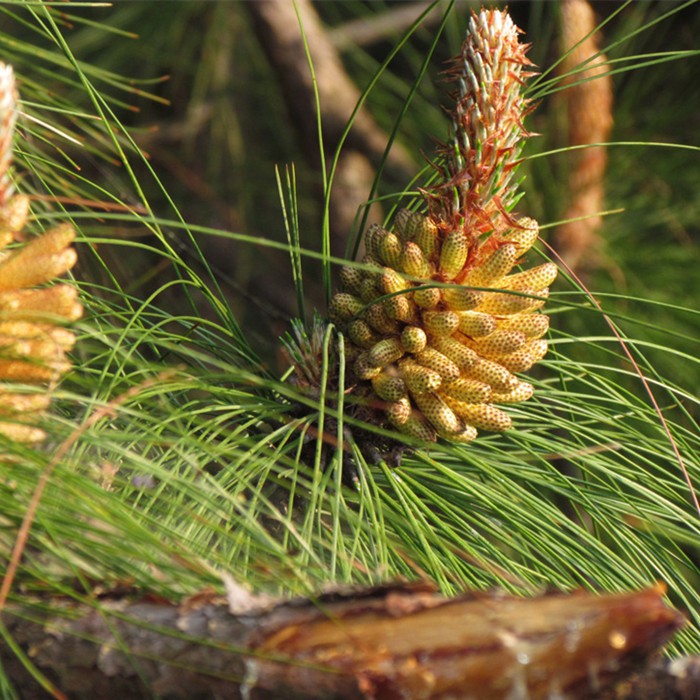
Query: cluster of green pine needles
[[190, 456]]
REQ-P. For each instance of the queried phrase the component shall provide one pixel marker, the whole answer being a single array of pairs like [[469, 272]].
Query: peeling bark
[[381, 644]]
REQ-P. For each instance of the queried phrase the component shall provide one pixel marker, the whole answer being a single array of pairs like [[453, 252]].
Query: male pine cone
[[33, 343], [441, 324]]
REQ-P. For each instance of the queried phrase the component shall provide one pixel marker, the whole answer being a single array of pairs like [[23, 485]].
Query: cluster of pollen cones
[[33, 343], [441, 316], [439, 357]]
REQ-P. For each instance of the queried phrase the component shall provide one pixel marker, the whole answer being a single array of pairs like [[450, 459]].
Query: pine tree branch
[[277, 25], [392, 642]]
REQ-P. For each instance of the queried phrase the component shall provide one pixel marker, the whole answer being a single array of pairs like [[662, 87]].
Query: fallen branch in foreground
[[393, 642]]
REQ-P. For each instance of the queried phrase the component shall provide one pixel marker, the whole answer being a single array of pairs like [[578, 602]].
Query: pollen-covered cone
[[33, 343], [447, 316]]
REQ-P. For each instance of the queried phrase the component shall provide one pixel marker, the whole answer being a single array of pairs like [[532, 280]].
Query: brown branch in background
[[280, 33], [370, 29], [401, 641], [589, 103]]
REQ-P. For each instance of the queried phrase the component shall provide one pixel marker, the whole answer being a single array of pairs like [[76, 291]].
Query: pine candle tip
[[487, 131]]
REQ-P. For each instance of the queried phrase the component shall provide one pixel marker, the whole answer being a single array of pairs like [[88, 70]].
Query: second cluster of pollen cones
[[33, 343]]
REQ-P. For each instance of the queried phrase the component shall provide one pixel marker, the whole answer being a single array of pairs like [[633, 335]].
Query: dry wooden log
[[385, 643]]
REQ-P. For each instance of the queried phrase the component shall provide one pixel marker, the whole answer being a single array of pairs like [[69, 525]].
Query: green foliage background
[[213, 466]]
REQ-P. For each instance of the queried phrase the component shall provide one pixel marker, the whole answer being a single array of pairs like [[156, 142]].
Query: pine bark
[[382, 643]]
